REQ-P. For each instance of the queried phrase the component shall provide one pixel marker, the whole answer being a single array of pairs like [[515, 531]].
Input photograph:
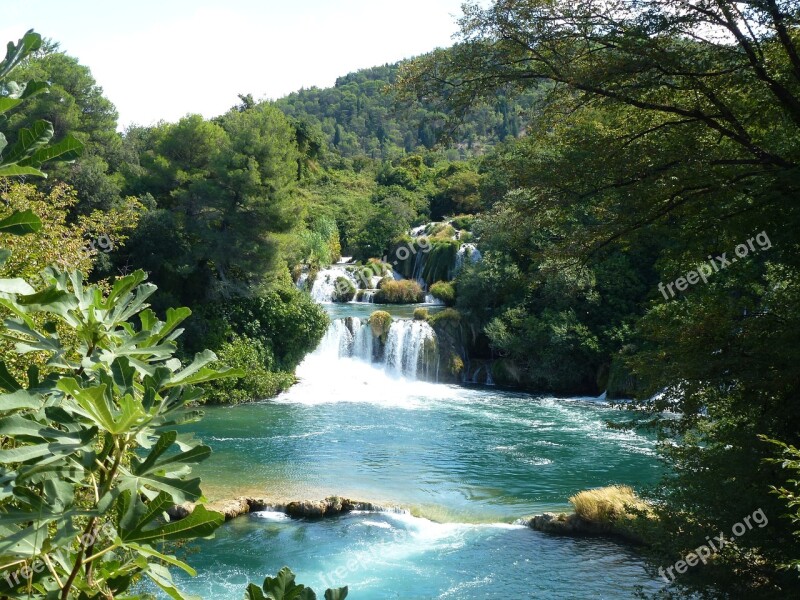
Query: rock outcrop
[[304, 509], [571, 524]]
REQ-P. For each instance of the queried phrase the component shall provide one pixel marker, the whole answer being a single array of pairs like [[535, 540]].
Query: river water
[[463, 463]]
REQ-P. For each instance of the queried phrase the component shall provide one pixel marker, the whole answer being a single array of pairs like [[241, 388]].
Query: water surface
[[464, 462]]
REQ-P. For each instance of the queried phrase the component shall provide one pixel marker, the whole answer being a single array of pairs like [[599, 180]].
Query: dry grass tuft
[[608, 504]]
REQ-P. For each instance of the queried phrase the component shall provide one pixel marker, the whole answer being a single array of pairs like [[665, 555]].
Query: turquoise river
[[463, 463]]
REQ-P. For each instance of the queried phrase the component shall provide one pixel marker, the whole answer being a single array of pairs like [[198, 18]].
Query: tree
[[670, 134], [75, 104], [30, 150]]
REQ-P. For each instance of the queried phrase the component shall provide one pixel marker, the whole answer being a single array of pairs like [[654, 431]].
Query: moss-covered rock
[[444, 291], [420, 314], [440, 260], [343, 290], [621, 383], [448, 317], [506, 372], [380, 322]]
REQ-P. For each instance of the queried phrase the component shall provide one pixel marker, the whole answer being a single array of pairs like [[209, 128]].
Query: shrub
[[455, 365], [286, 321], [380, 322], [607, 504], [443, 231], [400, 292], [343, 290], [283, 587], [463, 222], [259, 381], [444, 291], [420, 314]]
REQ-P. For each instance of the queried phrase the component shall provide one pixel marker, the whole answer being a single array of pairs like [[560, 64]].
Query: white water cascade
[[325, 283], [408, 346], [467, 253], [352, 365], [406, 353]]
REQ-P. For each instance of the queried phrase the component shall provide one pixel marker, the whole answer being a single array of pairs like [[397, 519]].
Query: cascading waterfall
[[363, 340], [409, 350], [325, 284], [467, 253], [406, 348], [419, 267]]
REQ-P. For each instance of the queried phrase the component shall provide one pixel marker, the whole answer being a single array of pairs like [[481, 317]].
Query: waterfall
[[366, 296], [430, 299], [467, 253], [405, 347], [337, 341], [409, 350], [301, 281], [363, 340], [325, 284], [419, 266]]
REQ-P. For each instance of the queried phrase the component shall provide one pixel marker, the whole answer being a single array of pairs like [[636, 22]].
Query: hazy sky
[[164, 59]]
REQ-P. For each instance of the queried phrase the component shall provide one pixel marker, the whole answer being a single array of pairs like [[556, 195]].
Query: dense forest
[[362, 115], [630, 184]]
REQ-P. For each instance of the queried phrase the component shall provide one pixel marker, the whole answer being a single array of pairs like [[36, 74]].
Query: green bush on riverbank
[[260, 380], [266, 336]]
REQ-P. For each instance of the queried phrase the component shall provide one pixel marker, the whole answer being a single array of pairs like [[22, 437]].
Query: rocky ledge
[[573, 525], [304, 509]]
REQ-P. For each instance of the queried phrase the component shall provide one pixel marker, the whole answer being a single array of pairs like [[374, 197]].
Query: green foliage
[[260, 379], [382, 226], [285, 322], [790, 492], [404, 291], [31, 148], [463, 222], [421, 314], [283, 587], [658, 145], [444, 291], [458, 191], [111, 387], [321, 242], [360, 116], [225, 195]]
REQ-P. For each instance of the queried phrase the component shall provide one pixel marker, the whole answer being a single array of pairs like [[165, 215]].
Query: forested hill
[[361, 115]]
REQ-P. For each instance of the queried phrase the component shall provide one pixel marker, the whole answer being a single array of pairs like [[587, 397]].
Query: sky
[[164, 59]]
